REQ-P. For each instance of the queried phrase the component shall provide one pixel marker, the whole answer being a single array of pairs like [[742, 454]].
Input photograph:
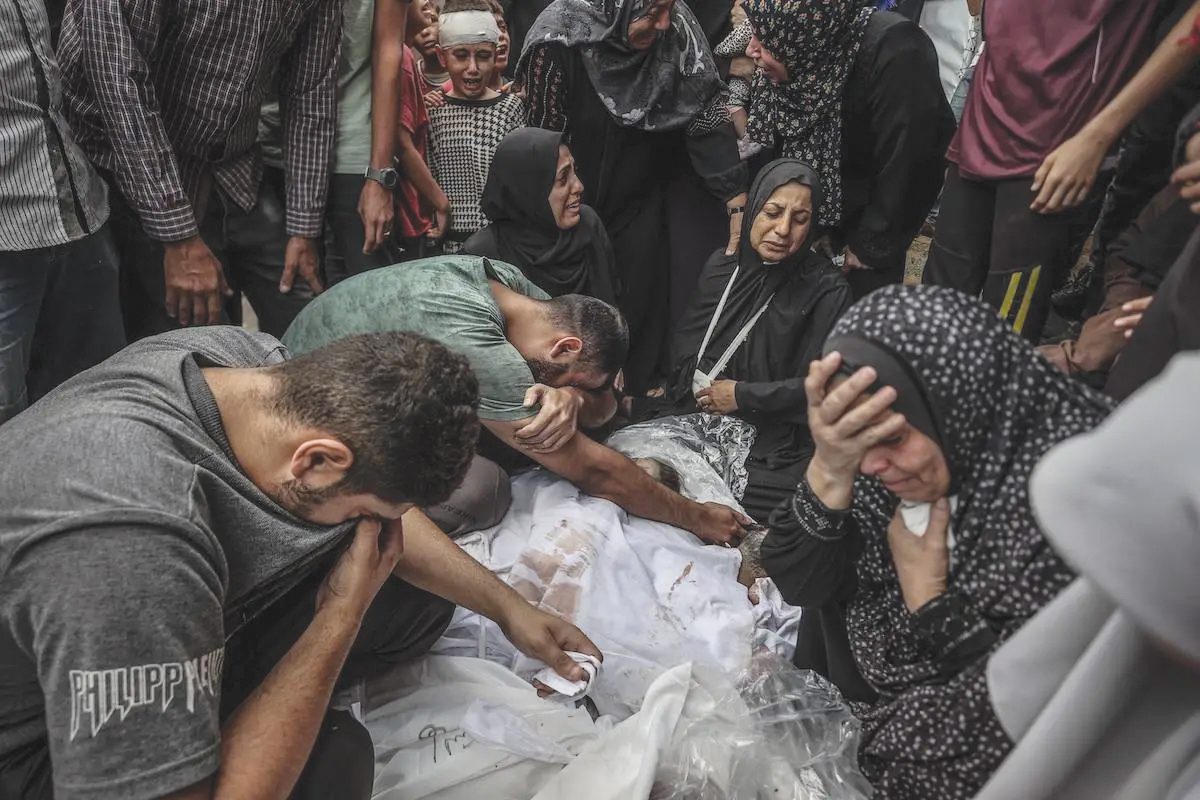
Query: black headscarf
[[662, 88], [523, 231], [788, 336], [999, 407], [755, 282]]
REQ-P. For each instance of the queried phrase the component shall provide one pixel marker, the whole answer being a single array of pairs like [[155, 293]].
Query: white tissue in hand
[[567, 690], [916, 516]]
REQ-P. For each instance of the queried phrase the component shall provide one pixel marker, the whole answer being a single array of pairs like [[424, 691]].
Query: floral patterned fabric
[[817, 40], [673, 85]]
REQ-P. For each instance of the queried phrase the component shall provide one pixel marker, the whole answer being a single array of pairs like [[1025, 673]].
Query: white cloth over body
[[649, 595], [465, 728]]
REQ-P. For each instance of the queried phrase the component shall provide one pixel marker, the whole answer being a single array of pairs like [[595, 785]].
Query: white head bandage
[[467, 27]]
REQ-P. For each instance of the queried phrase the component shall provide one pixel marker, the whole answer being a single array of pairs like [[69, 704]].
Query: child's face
[[471, 67], [420, 15], [502, 45], [427, 40]]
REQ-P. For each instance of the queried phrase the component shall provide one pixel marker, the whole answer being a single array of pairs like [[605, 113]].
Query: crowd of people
[[290, 289]]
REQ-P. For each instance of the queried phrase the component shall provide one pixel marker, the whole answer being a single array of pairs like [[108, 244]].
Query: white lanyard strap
[[712, 324], [737, 341]]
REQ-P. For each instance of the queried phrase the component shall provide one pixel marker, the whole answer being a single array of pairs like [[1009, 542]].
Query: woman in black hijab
[[793, 297], [538, 221], [634, 86], [910, 541]]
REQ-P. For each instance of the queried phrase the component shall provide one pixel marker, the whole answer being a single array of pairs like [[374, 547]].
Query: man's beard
[[545, 372], [301, 499]]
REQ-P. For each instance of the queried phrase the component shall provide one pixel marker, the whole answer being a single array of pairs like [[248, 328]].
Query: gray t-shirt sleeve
[[129, 649]]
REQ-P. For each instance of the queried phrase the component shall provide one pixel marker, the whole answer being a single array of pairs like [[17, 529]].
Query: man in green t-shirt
[[545, 367]]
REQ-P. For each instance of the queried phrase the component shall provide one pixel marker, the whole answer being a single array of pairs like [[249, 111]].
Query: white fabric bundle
[[467, 27], [568, 691]]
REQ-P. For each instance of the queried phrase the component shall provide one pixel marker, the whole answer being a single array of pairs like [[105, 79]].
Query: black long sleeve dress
[[624, 172], [896, 128]]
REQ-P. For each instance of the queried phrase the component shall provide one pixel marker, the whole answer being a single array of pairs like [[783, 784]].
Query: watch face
[[388, 177]]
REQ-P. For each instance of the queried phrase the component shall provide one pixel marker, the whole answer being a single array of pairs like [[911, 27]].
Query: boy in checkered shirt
[[465, 131]]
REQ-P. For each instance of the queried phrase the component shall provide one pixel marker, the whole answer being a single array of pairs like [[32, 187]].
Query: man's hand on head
[[555, 423]]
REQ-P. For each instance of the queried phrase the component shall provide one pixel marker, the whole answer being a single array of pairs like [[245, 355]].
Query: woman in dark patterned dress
[[855, 93], [911, 542], [634, 86]]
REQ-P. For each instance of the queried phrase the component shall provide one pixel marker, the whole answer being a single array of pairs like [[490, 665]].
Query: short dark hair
[[454, 6], [601, 328], [402, 403]]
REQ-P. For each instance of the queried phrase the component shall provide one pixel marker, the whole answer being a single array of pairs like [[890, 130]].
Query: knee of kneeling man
[[480, 502]]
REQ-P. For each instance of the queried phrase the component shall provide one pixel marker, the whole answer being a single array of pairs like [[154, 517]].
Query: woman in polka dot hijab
[[817, 40], [993, 407]]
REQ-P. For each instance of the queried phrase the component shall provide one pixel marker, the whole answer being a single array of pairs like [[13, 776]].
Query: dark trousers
[[479, 502], [642, 252], [1170, 326], [697, 224], [770, 485], [344, 255], [989, 242], [59, 315], [249, 244]]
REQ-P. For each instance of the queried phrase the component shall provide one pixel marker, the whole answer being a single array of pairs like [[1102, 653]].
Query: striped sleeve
[[308, 97], [114, 35]]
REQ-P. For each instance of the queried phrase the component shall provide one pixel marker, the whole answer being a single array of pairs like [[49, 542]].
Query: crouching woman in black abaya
[[756, 320]]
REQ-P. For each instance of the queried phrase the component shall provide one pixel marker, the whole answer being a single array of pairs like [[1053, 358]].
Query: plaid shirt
[[159, 92], [49, 193]]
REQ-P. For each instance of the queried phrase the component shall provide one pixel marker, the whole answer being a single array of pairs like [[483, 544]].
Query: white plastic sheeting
[[450, 728], [709, 452], [649, 595]]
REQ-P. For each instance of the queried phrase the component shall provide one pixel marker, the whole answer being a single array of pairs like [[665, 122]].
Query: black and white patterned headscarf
[[1001, 406], [667, 87], [817, 40]]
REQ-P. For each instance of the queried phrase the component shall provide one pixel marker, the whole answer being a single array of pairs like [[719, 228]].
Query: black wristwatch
[[386, 177]]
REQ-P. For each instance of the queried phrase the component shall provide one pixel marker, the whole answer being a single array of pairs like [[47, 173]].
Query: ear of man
[[567, 345], [321, 462]]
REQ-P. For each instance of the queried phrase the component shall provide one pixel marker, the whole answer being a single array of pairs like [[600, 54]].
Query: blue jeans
[[59, 314]]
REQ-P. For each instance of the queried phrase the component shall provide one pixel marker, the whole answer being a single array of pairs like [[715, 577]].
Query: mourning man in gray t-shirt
[[198, 536]]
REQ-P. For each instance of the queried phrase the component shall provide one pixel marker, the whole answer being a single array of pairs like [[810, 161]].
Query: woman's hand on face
[[718, 398], [846, 422], [922, 561]]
